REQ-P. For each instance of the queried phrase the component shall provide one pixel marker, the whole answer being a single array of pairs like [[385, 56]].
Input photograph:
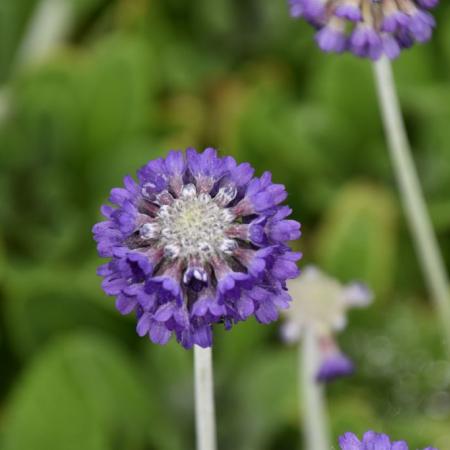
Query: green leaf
[[345, 84], [357, 238], [265, 396], [55, 300], [82, 392]]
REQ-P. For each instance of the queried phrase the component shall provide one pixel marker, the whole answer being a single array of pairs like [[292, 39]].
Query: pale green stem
[[312, 399], [418, 218], [205, 420], [47, 29]]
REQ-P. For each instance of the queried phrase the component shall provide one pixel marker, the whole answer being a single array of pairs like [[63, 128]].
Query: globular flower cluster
[[367, 28], [372, 441], [320, 307], [196, 241]]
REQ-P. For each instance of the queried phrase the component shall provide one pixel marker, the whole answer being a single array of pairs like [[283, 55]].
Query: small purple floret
[[335, 365], [366, 43], [314, 10], [331, 40], [296, 8], [421, 26], [391, 47], [350, 12], [395, 22]]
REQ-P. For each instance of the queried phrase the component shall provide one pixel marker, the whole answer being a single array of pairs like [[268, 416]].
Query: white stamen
[[225, 195], [198, 275], [195, 224], [189, 191], [185, 277], [228, 246], [149, 231], [204, 198], [164, 211], [204, 247], [171, 251]]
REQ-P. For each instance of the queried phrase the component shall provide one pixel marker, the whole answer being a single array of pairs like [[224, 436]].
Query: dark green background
[[138, 77]]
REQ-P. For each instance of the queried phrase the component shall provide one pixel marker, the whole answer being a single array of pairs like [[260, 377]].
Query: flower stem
[[47, 29], [315, 421], [204, 399], [419, 221]]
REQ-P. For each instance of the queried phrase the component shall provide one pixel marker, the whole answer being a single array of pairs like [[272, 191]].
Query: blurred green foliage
[[134, 78]]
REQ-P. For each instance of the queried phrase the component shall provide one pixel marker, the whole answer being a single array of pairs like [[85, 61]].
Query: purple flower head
[[195, 241], [367, 28], [372, 441], [320, 306]]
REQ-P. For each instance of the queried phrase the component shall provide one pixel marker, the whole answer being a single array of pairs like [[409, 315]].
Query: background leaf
[[358, 237], [134, 78], [81, 392]]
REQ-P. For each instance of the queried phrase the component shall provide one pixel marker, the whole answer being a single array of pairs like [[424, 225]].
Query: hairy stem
[[418, 218], [204, 399], [315, 421], [47, 28]]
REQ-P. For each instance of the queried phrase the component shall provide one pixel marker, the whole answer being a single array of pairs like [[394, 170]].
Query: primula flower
[[367, 28], [196, 241], [372, 441], [320, 305]]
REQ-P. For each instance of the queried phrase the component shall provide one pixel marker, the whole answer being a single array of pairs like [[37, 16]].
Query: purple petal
[[245, 307], [113, 286], [348, 441], [331, 40], [202, 336], [421, 26], [348, 11], [175, 164], [165, 312], [284, 230], [334, 366], [159, 334], [376, 441], [399, 445], [391, 47], [143, 325], [266, 312], [125, 304]]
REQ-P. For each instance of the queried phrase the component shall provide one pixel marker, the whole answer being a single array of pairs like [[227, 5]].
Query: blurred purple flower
[[320, 305], [196, 241], [367, 28], [372, 441]]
